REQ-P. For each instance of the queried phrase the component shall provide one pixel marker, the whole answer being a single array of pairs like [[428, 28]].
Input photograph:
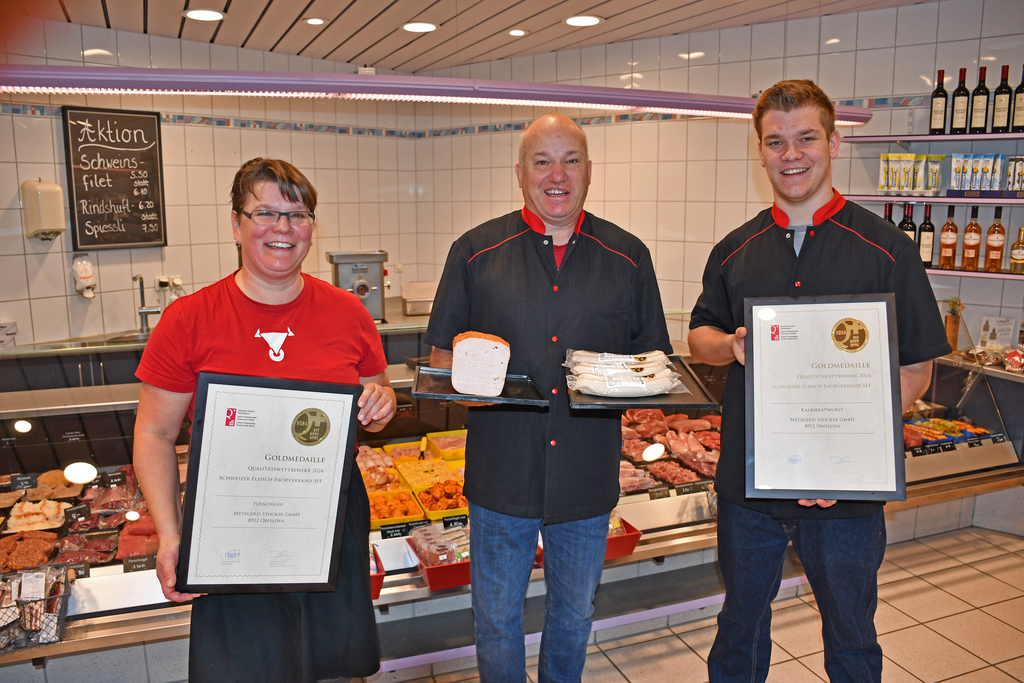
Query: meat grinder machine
[[362, 273]]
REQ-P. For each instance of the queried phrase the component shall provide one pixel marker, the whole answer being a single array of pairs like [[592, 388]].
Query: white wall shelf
[[908, 199], [900, 139]]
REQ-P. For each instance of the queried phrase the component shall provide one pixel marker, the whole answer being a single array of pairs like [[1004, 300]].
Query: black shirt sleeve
[[712, 308], [450, 314]]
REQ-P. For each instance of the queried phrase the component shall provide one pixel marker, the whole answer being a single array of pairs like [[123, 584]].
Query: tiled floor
[[951, 608]]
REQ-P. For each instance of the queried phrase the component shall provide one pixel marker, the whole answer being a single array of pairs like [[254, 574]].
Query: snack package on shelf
[[435, 548], [884, 174], [33, 606], [933, 180]]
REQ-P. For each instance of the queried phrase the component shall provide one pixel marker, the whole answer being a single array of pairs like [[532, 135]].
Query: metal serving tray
[[437, 383], [697, 399]]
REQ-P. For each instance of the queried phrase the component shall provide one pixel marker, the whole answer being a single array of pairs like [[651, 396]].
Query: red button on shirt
[[554, 391], [812, 233], [552, 442], [797, 283], [554, 339], [555, 288]]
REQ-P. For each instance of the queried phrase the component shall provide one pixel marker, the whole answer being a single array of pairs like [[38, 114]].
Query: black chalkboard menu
[[115, 176]]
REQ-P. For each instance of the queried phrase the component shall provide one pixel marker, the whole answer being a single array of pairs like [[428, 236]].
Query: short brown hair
[[293, 185], [790, 95]]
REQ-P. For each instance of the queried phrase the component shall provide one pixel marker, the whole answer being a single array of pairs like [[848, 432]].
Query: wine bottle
[[926, 236], [1018, 107], [1002, 104], [994, 244], [907, 225], [888, 212], [947, 242], [972, 243], [939, 101], [1017, 256], [961, 103], [979, 104]]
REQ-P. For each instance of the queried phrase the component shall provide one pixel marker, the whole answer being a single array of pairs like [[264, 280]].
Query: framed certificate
[[268, 480], [823, 405]]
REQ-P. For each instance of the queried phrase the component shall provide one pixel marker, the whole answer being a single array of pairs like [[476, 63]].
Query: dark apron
[[293, 637]]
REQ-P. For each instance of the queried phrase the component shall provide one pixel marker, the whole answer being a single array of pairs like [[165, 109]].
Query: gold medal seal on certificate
[[850, 335], [311, 426]]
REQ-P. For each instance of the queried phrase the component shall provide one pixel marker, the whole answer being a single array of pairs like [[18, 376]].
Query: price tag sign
[[116, 478], [973, 442], [81, 569], [998, 438], [949, 446], [400, 530], [454, 520], [659, 492], [138, 564], [23, 481], [917, 451], [691, 487], [77, 512], [932, 448]]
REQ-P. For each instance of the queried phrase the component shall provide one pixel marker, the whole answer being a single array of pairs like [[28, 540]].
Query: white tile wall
[[679, 185]]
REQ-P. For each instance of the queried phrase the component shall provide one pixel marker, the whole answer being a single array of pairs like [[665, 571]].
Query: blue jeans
[[503, 552], [841, 558]]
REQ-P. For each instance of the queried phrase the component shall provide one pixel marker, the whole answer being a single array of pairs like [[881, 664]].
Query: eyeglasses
[[265, 218]]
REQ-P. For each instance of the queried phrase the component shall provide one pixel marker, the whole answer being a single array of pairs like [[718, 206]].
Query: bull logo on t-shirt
[[276, 341]]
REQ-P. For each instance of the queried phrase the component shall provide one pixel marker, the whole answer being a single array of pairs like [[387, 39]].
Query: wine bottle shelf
[[975, 273], [908, 199]]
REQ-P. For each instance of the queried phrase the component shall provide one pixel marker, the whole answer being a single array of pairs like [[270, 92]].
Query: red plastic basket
[[618, 546], [376, 580], [442, 576]]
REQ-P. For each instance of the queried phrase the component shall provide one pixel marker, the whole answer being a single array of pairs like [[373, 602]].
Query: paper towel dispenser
[[42, 208]]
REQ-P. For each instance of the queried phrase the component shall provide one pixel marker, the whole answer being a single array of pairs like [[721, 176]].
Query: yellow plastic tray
[[455, 465], [439, 514], [451, 454], [405, 466], [388, 447], [376, 524]]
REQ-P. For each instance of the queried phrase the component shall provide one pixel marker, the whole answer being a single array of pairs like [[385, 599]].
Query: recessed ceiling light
[[518, 32], [691, 55], [97, 52], [831, 41], [314, 21], [23, 426], [204, 14], [584, 21], [419, 27]]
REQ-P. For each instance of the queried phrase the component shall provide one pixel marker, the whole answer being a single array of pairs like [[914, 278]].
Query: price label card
[[81, 569], [917, 451], [400, 530], [933, 448], [455, 519], [659, 492], [23, 481], [116, 478], [138, 564], [998, 438], [77, 512], [973, 442], [691, 487], [948, 447], [33, 585]]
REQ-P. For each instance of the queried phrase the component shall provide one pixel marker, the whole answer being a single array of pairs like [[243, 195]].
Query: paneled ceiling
[[370, 31]]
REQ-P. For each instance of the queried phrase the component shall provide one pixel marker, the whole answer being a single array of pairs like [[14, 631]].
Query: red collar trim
[[830, 209], [537, 225]]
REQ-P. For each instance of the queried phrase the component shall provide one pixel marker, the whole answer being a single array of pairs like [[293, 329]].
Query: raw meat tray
[[698, 398], [437, 383]]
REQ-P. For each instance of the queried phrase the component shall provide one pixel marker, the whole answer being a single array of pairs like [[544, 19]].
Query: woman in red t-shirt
[[314, 332]]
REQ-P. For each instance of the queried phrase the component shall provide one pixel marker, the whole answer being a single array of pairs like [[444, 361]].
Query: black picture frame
[[891, 374], [196, 456], [124, 208]]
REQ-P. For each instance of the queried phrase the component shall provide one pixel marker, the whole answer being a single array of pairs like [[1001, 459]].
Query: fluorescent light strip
[[54, 80]]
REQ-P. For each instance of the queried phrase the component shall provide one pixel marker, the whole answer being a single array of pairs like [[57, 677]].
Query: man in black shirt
[[843, 249], [546, 279]]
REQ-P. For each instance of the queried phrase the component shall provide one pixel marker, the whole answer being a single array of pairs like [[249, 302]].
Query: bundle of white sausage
[[606, 374]]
